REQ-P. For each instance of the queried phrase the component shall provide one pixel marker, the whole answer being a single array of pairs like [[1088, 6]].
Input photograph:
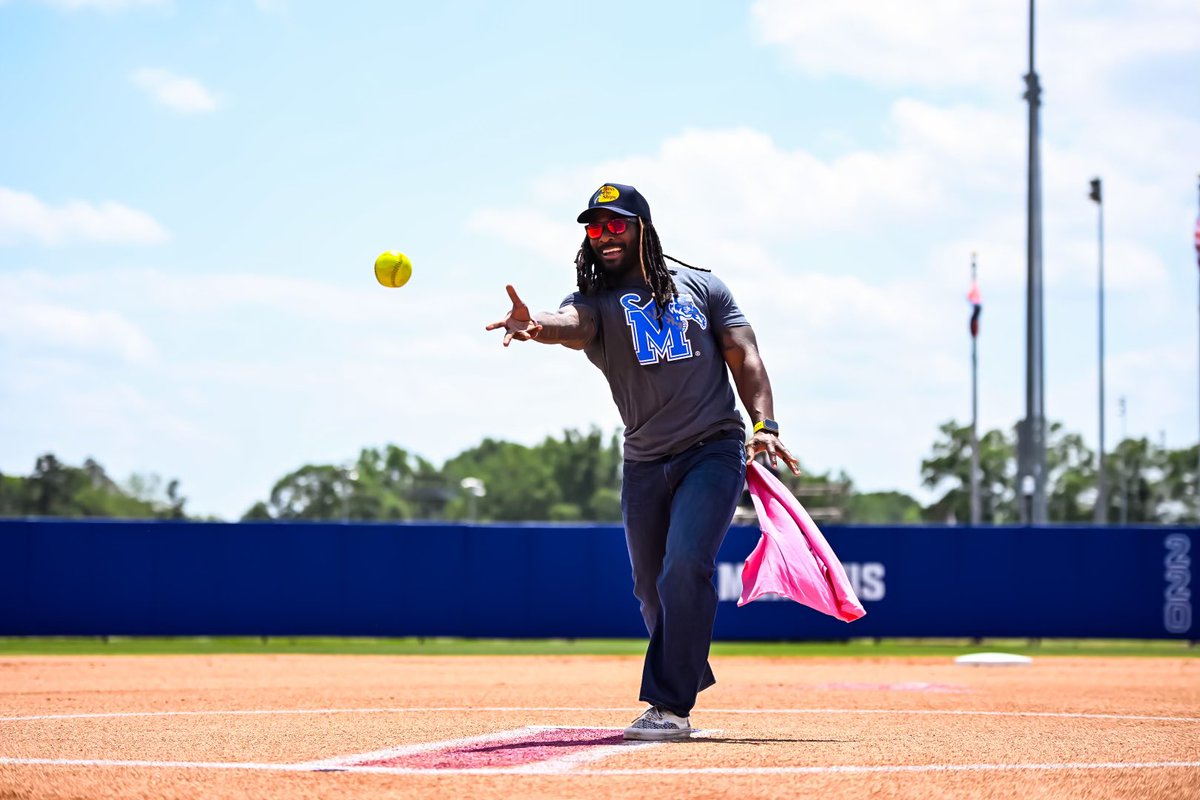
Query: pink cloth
[[792, 558]]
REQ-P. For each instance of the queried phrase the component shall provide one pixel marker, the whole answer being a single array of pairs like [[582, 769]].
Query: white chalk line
[[586, 710], [569, 765], [551, 768]]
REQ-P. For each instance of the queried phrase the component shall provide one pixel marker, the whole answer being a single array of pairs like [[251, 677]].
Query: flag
[[977, 303], [1198, 241]]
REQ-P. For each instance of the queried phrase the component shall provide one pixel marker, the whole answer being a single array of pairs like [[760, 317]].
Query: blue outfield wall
[[88, 578]]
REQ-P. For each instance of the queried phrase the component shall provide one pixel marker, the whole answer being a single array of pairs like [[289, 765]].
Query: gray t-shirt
[[670, 382]]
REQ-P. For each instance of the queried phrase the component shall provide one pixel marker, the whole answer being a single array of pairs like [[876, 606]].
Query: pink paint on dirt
[[536, 746]]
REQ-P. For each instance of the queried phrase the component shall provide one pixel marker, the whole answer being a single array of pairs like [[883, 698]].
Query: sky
[[192, 195]]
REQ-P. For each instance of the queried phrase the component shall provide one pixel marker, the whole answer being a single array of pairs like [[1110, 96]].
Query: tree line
[[55, 489], [1145, 482], [577, 477]]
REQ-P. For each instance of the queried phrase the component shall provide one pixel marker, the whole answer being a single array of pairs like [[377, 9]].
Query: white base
[[994, 660]]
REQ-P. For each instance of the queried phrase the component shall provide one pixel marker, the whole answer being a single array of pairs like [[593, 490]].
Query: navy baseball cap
[[619, 198]]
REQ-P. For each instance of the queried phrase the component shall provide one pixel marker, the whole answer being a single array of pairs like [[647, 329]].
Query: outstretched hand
[[519, 324], [769, 443]]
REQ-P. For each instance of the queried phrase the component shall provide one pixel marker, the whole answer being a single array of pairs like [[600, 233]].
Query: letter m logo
[[650, 341]]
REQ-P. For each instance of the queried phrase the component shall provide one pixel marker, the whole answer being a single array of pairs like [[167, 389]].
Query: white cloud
[[536, 231], [762, 189], [973, 43], [40, 324], [23, 217], [177, 92], [737, 191], [894, 44]]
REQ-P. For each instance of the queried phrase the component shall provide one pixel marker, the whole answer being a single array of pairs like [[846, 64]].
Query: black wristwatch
[[767, 426]]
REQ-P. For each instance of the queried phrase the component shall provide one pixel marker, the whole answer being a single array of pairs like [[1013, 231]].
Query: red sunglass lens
[[615, 227]]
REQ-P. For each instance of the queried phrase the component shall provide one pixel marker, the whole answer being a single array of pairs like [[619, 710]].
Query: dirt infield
[[541, 726]]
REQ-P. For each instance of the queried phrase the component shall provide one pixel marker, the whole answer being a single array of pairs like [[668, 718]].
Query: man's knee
[[685, 571]]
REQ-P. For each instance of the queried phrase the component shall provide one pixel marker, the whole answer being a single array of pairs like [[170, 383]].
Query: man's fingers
[[775, 451], [495, 325], [512, 294], [792, 462]]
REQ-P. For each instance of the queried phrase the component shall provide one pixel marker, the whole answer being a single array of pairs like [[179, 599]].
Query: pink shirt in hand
[[792, 558]]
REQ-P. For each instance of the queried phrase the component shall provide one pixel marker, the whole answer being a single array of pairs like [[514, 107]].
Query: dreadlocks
[[592, 278]]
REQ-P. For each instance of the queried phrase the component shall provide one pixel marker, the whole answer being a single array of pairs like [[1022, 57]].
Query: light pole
[[1197, 238], [1031, 433], [351, 477], [1101, 511], [475, 489]]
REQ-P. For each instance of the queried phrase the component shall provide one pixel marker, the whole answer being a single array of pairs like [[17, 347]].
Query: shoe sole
[[641, 735]]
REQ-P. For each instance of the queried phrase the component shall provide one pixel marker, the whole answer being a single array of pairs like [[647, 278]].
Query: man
[[664, 338]]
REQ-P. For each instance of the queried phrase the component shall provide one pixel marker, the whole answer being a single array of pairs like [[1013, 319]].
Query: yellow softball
[[393, 269]]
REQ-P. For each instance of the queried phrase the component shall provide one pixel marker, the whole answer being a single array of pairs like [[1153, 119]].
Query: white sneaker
[[657, 723]]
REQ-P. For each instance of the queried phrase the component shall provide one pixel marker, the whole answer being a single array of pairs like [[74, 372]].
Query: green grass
[[854, 648]]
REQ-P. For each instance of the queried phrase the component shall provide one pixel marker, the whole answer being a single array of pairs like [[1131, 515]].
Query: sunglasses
[[615, 226]]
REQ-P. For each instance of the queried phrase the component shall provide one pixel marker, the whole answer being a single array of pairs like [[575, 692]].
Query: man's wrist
[[767, 426]]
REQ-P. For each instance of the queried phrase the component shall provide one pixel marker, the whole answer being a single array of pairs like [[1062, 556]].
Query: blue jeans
[[677, 511]]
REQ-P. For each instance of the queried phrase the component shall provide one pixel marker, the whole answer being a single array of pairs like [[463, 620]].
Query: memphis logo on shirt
[[653, 342]]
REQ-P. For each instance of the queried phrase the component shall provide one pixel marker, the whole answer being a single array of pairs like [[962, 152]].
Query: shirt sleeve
[[581, 300], [723, 311]]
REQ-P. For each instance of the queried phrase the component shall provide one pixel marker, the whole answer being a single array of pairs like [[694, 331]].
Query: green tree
[[1179, 486], [55, 489], [387, 484], [520, 483], [1138, 482], [164, 499], [882, 508], [1071, 477], [949, 469], [12, 495], [379, 485], [587, 469], [259, 512], [315, 491]]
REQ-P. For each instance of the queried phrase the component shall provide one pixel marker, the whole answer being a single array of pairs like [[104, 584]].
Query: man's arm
[[572, 326], [740, 348]]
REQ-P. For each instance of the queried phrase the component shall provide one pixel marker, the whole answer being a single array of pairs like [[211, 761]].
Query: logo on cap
[[607, 194]]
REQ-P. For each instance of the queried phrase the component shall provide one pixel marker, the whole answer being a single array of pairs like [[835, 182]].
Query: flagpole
[[1197, 235], [1124, 465], [1101, 511], [976, 507]]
